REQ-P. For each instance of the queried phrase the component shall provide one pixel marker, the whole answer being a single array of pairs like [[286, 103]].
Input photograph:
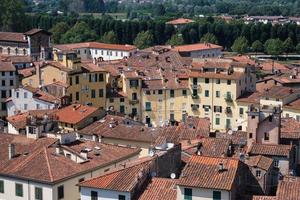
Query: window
[[60, 192], [1, 186], [93, 94], [25, 95], [122, 99], [148, 106], [228, 82], [217, 121], [206, 93], [134, 83], [258, 173], [276, 163], [94, 195], [241, 111], [206, 108], [160, 91], [3, 82], [206, 80], [298, 118], [3, 106], [184, 92], [70, 80], [266, 136], [172, 93], [77, 96], [228, 123], [188, 193], [216, 195], [122, 109], [122, 197], [37, 106], [19, 190], [38, 193], [134, 96], [17, 94], [217, 94], [101, 78], [3, 73], [77, 79], [218, 109], [25, 106], [3, 93], [11, 82], [101, 93], [148, 92]]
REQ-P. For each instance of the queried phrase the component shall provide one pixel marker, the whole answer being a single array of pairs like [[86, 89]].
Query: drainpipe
[[212, 104]]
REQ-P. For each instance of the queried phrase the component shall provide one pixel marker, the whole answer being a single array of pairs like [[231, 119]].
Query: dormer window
[[266, 136]]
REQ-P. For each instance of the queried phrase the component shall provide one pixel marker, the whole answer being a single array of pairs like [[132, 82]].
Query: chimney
[[221, 167], [11, 151]]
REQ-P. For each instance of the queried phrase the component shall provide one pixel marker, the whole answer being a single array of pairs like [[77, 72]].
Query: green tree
[[109, 37], [210, 38], [298, 48], [240, 45], [274, 47], [176, 39], [257, 46], [159, 10], [143, 40], [58, 30], [80, 32], [12, 15], [288, 46]]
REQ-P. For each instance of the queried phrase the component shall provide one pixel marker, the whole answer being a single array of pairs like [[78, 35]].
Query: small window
[[276, 163], [111, 100], [298, 118], [206, 80], [94, 195], [148, 106], [241, 111], [218, 81], [188, 194], [19, 190], [122, 99], [184, 92], [77, 79], [77, 96], [250, 135], [258, 173], [101, 93], [122, 197], [38, 193], [217, 121], [101, 78], [148, 92], [122, 109], [11, 82], [206, 93], [217, 94], [70, 81], [172, 93], [93, 94], [216, 195], [228, 82], [1, 186], [160, 91], [60, 192], [267, 136]]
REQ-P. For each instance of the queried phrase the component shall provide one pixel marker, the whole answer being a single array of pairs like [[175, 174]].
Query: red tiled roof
[[160, 188], [26, 72], [42, 164], [290, 128], [180, 21], [96, 45], [233, 76], [259, 161], [75, 113], [252, 97], [293, 105], [264, 198], [35, 31], [203, 172], [279, 92], [12, 37], [270, 149], [6, 66], [124, 180], [269, 65], [288, 190], [196, 47]]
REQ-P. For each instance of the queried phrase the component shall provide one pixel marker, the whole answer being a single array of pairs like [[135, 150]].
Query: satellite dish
[[173, 176]]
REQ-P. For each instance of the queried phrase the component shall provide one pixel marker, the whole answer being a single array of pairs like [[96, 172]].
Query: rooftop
[[180, 21], [196, 47], [279, 92], [259, 161], [270, 149]]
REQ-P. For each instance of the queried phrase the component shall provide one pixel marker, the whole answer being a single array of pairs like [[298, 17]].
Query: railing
[[195, 86], [133, 101], [195, 96]]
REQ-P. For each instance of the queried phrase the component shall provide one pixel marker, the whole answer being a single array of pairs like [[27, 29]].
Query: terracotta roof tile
[[75, 113], [196, 47], [293, 105], [280, 92], [180, 21], [290, 128], [203, 172], [270, 149], [288, 190], [259, 161], [96, 45], [12, 37], [6, 66], [160, 188]]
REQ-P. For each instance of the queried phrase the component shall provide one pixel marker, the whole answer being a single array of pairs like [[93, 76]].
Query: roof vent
[[221, 167]]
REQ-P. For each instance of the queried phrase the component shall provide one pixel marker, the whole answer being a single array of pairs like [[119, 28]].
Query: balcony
[[133, 102], [195, 96], [228, 111], [195, 107], [228, 98], [195, 86], [148, 109]]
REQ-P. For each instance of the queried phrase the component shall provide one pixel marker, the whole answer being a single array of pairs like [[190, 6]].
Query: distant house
[[200, 50], [180, 22], [28, 98], [34, 43], [97, 51]]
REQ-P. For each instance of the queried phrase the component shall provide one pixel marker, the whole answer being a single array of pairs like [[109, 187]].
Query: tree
[[12, 15], [58, 30], [176, 39], [257, 46], [210, 38], [109, 37], [274, 47], [288, 46], [240, 45], [143, 40], [298, 48], [80, 32], [159, 10]]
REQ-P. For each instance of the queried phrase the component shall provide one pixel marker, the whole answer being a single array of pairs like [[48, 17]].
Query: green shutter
[[1, 186]]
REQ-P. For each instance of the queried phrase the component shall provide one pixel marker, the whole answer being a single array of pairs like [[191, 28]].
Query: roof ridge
[[48, 164]]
